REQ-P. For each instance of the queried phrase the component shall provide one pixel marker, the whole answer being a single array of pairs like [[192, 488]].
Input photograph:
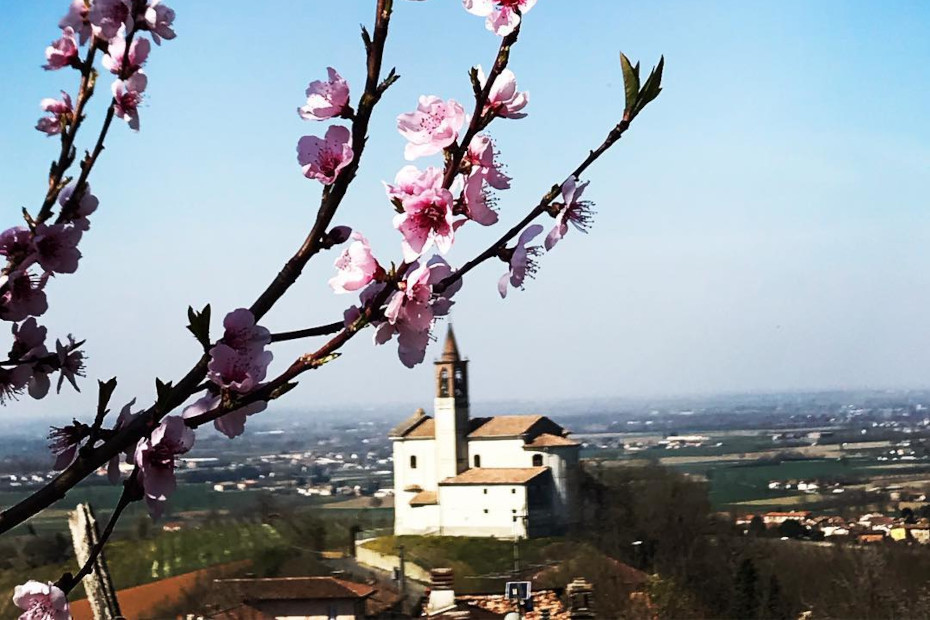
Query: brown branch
[[333, 194], [69, 582], [143, 424], [275, 388], [612, 137], [310, 332], [66, 158], [477, 122]]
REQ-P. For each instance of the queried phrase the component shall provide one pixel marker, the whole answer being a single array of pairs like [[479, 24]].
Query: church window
[[459, 383], [537, 460], [485, 511], [444, 383], [413, 462], [485, 491], [477, 460], [514, 491]]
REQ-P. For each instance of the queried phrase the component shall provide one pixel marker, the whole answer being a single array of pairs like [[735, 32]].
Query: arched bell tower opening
[[451, 410]]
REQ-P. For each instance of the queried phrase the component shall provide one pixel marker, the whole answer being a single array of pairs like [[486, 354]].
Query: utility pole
[[402, 576]]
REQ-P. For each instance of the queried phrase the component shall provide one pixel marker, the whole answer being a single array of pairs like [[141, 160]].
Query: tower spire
[[450, 352]]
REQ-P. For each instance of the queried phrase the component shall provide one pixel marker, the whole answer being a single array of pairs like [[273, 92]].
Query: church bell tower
[[450, 410]]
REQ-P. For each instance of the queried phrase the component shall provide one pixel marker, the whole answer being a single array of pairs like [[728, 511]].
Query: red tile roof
[[141, 601], [496, 475], [548, 440], [425, 498], [296, 588]]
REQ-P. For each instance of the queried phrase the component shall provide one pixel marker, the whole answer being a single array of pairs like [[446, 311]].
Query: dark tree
[[792, 529], [746, 591], [757, 526], [776, 607]]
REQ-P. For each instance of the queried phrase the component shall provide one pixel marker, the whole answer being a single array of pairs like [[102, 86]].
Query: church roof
[[425, 498], [401, 430], [420, 426], [426, 430], [496, 475], [450, 352], [516, 426], [547, 440]]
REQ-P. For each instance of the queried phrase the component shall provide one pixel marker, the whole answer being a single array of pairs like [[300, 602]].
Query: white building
[[504, 476]]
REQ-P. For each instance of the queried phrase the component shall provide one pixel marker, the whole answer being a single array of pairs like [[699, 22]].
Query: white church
[[506, 476]]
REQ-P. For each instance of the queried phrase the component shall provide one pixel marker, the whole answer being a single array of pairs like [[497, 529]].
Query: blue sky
[[763, 226]]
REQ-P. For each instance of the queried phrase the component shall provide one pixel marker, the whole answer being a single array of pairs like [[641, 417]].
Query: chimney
[[581, 599], [441, 592]]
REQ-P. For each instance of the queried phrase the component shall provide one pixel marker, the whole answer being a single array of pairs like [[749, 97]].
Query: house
[[504, 476], [295, 598], [443, 604], [777, 518]]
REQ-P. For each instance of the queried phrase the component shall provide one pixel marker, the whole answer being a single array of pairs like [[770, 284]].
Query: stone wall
[[388, 563]]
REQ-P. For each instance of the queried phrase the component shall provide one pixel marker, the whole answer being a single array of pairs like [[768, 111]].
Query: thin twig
[[69, 582], [310, 332]]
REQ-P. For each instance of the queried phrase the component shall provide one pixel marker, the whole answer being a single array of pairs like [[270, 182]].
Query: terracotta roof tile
[[548, 440], [497, 603], [425, 430], [496, 475], [295, 588], [516, 426], [409, 424], [425, 498]]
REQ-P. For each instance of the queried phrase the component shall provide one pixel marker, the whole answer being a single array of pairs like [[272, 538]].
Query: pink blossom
[[502, 16], [127, 95], [410, 312], [13, 380], [160, 19], [108, 16], [64, 442], [56, 247], [479, 202], [426, 219], [41, 601], [62, 52], [155, 457], [76, 19], [236, 371], [239, 362], [24, 296], [138, 54], [521, 260], [325, 99], [124, 418], [324, 158], [78, 213], [28, 340], [241, 332], [16, 245], [70, 362], [430, 128], [356, 266], [410, 181], [231, 424], [482, 159], [576, 211], [504, 99], [60, 112]]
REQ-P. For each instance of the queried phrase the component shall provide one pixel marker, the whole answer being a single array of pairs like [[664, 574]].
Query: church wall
[[418, 520], [407, 518], [475, 510], [563, 462], [499, 453]]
